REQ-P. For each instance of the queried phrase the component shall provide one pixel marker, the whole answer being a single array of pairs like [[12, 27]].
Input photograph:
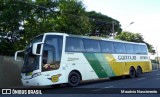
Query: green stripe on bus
[[110, 72], [104, 63], [96, 65]]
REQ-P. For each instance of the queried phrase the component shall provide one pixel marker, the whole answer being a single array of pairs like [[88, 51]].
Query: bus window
[[74, 44], [48, 57], [137, 49], [92, 45], [52, 53], [129, 48], [143, 49], [119, 48], [107, 47]]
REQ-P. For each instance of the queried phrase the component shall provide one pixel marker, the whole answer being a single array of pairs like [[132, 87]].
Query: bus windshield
[[31, 62]]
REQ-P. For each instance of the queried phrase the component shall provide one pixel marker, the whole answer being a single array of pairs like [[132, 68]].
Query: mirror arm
[[35, 47], [15, 57]]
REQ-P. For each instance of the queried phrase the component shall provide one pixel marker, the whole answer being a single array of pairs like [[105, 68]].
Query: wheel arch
[[132, 67], [76, 72], [74, 78]]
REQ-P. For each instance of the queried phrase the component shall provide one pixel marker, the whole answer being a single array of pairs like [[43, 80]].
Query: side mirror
[[36, 48], [15, 56]]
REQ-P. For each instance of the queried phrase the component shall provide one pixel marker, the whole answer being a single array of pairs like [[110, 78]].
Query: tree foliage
[[72, 18], [134, 37], [103, 25], [21, 20]]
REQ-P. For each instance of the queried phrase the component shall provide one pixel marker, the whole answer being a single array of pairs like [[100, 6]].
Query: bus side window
[[107, 47], [48, 58], [56, 43], [137, 49], [91, 45], [129, 48], [143, 49], [74, 44], [119, 48]]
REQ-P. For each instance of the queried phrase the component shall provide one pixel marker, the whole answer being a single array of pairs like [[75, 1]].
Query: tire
[[132, 72], [73, 79], [138, 71]]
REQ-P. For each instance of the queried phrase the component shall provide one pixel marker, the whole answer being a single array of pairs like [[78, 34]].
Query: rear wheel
[[74, 79], [138, 71], [132, 72]]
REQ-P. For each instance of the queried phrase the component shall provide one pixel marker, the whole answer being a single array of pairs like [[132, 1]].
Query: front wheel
[[73, 79], [132, 72]]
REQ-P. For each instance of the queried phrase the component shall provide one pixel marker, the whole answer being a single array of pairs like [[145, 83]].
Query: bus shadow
[[97, 81], [85, 83]]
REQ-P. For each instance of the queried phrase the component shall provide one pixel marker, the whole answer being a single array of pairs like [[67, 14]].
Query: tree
[[134, 37], [11, 17], [72, 18], [21, 20], [103, 25]]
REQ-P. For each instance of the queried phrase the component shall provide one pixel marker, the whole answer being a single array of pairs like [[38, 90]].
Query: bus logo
[[55, 78], [6, 91]]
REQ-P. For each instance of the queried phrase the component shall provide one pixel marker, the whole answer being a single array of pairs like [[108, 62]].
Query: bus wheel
[[132, 72], [138, 71], [73, 79]]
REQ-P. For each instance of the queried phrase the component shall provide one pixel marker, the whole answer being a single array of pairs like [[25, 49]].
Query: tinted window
[[92, 45], [143, 49], [137, 49], [107, 47], [74, 44], [52, 51], [56, 43], [129, 48], [119, 47]]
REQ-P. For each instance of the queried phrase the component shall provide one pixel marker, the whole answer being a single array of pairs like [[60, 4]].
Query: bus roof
[[92, 37]]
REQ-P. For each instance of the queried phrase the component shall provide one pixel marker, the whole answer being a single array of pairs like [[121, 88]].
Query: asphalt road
[[111, 88]]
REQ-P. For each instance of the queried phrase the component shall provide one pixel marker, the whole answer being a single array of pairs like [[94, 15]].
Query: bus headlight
[[36, 74]]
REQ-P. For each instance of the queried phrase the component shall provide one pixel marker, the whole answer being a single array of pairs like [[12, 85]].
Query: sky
[[144, 13]]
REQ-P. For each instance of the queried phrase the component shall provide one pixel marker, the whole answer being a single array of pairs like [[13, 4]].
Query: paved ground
[[146, 81], [9, 72], [107, 88]]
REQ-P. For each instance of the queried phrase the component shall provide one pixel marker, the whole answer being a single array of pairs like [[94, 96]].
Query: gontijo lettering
[[121, 57]]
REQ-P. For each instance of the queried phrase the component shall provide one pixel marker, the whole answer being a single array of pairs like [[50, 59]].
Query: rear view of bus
[[42, 60]]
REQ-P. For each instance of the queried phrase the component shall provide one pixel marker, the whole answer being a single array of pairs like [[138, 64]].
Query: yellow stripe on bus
[[122, 68], [111, 60]]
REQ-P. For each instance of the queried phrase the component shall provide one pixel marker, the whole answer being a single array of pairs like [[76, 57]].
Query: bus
[[56, 58]]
